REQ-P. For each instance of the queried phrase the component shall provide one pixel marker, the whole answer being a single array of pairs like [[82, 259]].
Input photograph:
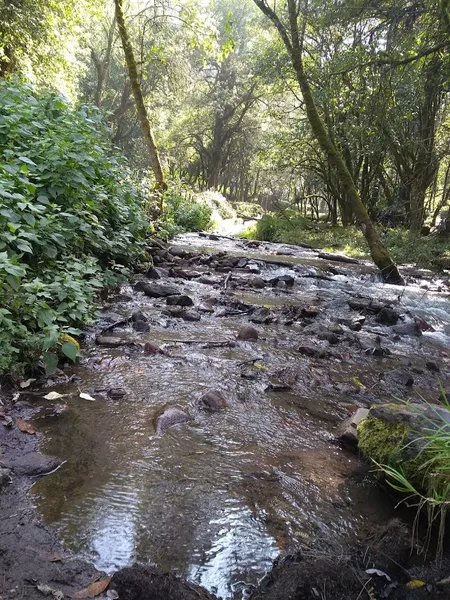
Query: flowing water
[[216, 499]]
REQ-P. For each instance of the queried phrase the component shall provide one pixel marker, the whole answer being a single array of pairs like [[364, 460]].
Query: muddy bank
[[207, 446]]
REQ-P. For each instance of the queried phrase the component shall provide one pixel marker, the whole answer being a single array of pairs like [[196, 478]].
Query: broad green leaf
[[50, 360], [70, 350]]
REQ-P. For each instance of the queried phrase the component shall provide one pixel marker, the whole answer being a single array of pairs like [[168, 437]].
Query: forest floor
[[290, 341]]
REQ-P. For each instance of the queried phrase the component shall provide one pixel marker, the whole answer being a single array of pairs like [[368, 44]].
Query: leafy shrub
[[182, 212], [70, 220]]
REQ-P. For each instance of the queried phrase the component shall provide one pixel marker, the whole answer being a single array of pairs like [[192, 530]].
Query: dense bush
[[182, 211], [70, 221]]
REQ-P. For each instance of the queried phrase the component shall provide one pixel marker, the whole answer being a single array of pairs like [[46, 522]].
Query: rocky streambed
[[198, 431]]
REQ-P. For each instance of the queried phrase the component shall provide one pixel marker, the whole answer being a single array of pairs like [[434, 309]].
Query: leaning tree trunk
[[147, 133], [293, 43]]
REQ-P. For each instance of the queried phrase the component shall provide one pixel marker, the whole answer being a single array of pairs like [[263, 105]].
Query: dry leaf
[[93, 590], [26, 427], [86, 397], [27, 383], [53, 396], [112, 594]]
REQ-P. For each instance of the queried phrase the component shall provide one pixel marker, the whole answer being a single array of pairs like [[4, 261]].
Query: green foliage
[[423, 475], [182, 212], [69, 220]]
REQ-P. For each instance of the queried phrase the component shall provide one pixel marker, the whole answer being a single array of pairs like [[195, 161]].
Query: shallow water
[[218, 498]]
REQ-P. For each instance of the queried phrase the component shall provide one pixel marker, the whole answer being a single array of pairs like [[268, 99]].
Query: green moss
[[64, 337], [381, 441]]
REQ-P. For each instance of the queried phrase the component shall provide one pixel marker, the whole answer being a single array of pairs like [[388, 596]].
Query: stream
[[217, 498]]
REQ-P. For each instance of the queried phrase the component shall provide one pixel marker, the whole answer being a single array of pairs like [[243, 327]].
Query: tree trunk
[[147, 133], [380, 255]]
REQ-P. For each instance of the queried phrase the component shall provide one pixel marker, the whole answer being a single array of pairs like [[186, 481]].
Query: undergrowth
[[70, 222], [404, 246]]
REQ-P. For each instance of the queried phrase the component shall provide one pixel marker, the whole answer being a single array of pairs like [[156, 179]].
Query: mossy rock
[[382, 441], [401, 436]]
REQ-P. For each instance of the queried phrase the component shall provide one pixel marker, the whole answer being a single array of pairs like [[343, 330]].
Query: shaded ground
[[330, 339]]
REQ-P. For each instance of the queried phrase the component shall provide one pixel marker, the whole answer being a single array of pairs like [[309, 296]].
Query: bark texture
[[293, 40], [139, 98]]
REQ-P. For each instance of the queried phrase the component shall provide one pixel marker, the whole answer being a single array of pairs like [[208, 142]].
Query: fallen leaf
[[112, 594], [54, 396], [93, 590], [86, 396], [27, 383], [26, 427], [414, 584]]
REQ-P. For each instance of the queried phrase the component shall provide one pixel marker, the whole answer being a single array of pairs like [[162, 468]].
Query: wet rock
[[145, 583], [408, 329], [109, 341], [275, 385], [288, 281], [181, 300], [209, 280], [247, 333], [399, 377], [347, 431], [357, 324], [150, 348], [33, 463], [141, 326], [336, 329], [191, 315], [152, 273], [212, 401], [138, 315], [156, 290], [313, 351], [116, 393], [179, 252], [310, 311], [334, 256], [205, 307], [261, 315], [387, 316], [366, 305], [329, 337], [256, 282], [243, 262], [252, 244], [378, 351], [169, 418], [5, 476], [432, 366]]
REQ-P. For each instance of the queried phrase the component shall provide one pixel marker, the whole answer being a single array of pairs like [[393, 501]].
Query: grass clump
[[70, 223], [416, 461]]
